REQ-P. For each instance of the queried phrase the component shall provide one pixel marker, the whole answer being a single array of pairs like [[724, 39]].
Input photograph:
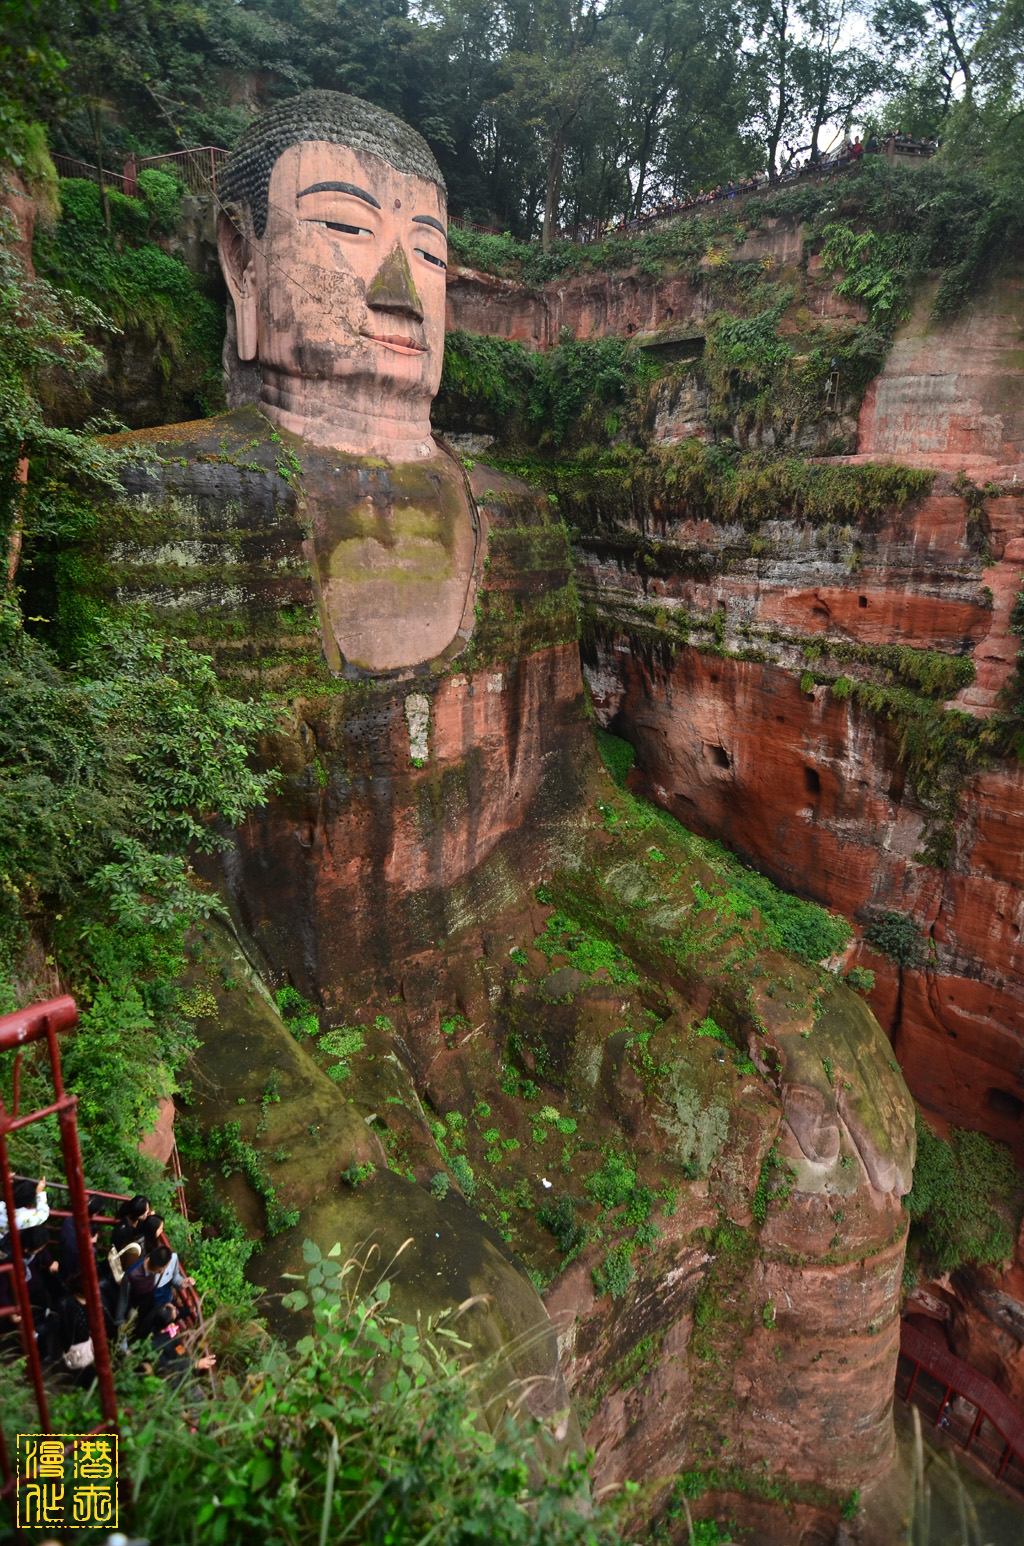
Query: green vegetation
[[110, 773], [786, 922], [463, 1173], [720, 482], [616, 754], [540, 393], [560, 1218], [226, 1149], [861, 979], [886, 230], [754, 1482], [616, 1272], [966, 1199], [120, 756], [363, 1429], [902, 225], [897, 936], [145, 292], [613, 1184], [584, 951], [342, 1043], [773, 1185], [299, 1016]]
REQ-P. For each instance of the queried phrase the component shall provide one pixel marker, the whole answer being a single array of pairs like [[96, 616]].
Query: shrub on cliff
[[149, 295], [897, 936], [111, 773], [966, 1199], [519, 391]]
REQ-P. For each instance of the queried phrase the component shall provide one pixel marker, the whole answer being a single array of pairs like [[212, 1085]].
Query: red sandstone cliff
[[817, 788]]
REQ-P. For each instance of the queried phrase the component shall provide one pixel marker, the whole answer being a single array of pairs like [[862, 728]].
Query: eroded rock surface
[[836, 705]]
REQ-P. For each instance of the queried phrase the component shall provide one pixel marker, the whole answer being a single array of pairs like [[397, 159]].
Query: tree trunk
[[641, 178], [958, 52], [97, 134], [14, 540], [556, 164]]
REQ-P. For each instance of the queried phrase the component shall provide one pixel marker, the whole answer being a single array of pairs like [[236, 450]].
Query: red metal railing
[[196, 169], [43, 1023], [67, 166], [961, 1402]]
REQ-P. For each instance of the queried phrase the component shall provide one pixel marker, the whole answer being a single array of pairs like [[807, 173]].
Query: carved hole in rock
[[812, 782], [717, 755], [1005, 1105], [862, 601], [780, 719]]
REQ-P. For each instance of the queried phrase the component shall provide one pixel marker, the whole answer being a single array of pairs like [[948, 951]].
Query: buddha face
[[347, 285]]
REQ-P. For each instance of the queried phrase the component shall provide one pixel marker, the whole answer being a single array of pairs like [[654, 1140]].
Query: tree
[[772, 79], [551, 75], [833, 76], [942, 37], [679, 77]]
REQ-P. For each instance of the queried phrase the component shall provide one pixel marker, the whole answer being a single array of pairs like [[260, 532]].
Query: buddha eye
[[336, 225], [429, 256]]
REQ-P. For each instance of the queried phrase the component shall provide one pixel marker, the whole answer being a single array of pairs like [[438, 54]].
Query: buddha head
[[333, 246]]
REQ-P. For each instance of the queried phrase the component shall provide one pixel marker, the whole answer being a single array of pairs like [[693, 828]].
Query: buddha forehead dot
[[398, 203]]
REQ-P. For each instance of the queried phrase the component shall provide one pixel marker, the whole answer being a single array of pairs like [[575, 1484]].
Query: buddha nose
[[392, 287]]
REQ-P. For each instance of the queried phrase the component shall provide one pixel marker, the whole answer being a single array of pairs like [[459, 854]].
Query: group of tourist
[[142, 1286], [849, 153]]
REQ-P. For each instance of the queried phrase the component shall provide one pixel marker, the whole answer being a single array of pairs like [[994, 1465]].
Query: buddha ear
[[236, 262]]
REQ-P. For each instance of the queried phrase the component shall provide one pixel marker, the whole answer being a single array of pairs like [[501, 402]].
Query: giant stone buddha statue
[[414, 623], [415, 614], [333, 246]]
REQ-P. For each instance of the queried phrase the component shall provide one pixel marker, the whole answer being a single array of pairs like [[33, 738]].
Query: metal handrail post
[[80, 1212], [28, 1337]]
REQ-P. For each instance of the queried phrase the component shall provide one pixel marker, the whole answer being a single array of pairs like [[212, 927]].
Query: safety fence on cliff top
[[961, 1402], [196, 169]]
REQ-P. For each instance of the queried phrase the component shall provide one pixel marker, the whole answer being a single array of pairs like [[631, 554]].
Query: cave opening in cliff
[[812, 781], [717, 755], [1005, 1105]]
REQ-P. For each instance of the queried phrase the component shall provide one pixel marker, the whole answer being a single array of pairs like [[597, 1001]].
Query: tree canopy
[[541, 112]]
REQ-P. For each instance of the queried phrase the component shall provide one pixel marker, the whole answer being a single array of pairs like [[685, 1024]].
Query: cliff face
[[952, 395], [601, 304], [828, 788], [836, 703]]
